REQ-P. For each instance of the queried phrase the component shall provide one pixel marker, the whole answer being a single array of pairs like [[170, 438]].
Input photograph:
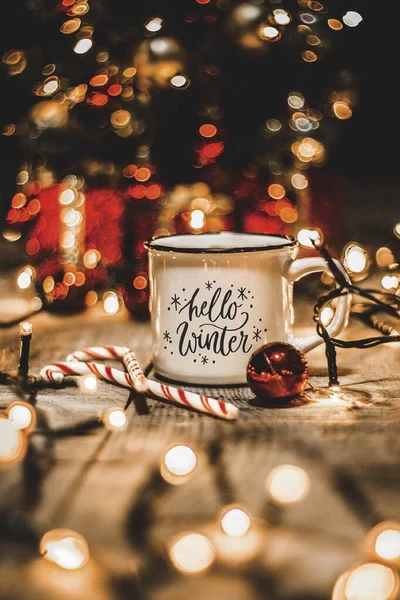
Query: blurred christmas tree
[[126, 120]]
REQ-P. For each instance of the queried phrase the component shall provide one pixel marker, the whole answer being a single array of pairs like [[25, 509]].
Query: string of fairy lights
[[235, 539]]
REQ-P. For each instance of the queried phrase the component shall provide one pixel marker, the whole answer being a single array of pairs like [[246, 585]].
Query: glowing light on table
[[115, 419], [22, 415], [88, 383], [235, 522], [197, 219], [288, 484], [355, 258], [371, 581], [65, 548], [192, 553], [180, 460], [389, 282], [387, 544], [12, 442]]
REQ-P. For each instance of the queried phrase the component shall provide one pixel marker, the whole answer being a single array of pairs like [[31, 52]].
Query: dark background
[[250, 89]]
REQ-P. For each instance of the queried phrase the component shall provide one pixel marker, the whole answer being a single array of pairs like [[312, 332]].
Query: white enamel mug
[[217, 297]]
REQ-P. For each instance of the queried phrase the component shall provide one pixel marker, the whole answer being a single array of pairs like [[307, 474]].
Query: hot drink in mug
[[217, 297]]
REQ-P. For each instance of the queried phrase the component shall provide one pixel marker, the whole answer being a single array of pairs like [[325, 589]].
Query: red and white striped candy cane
[[202, 403], [127, 356]]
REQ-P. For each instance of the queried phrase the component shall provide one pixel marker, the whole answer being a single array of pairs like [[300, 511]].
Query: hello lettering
[[221, 327]]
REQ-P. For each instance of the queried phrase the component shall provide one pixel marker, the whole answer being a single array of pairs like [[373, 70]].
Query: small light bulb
[[235, 522], [24, 280], [306, 237], [88, 383], [83, 46], [180, 460], [65, 547], [115, 419], [22, 415], [26, 328], [288, 484], [192, 553]]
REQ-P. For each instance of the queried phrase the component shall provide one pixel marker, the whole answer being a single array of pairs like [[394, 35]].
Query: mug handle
[[305, 266]]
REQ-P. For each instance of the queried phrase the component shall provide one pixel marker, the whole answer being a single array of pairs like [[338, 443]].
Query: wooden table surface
[[107, 486]]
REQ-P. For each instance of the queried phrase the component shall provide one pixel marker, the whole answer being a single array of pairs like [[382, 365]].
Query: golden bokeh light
[[309, 56], [387, 544], [180, 82], [384, 257], [355, 258], [197, 219], [88, 383], [299, 181], [115, 419], [154, 25], [267, 32], [352, 18], [288, 484], [120, 118], [111, 304], [22, 415], [296, 100], [306, 237], [281, 16], [274, 125], [371, 581], [24, 280], [48, 284], [235, 522], [12, 442], [335, 24], [82, 46], [276, 191], [91, 298], [191, 553], [389, 282], [70, 26], [64, 547], [342, 110], [67, 196], [180, 460]]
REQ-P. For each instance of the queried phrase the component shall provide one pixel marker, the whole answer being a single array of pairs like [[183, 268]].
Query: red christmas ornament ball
[[277, 371]]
